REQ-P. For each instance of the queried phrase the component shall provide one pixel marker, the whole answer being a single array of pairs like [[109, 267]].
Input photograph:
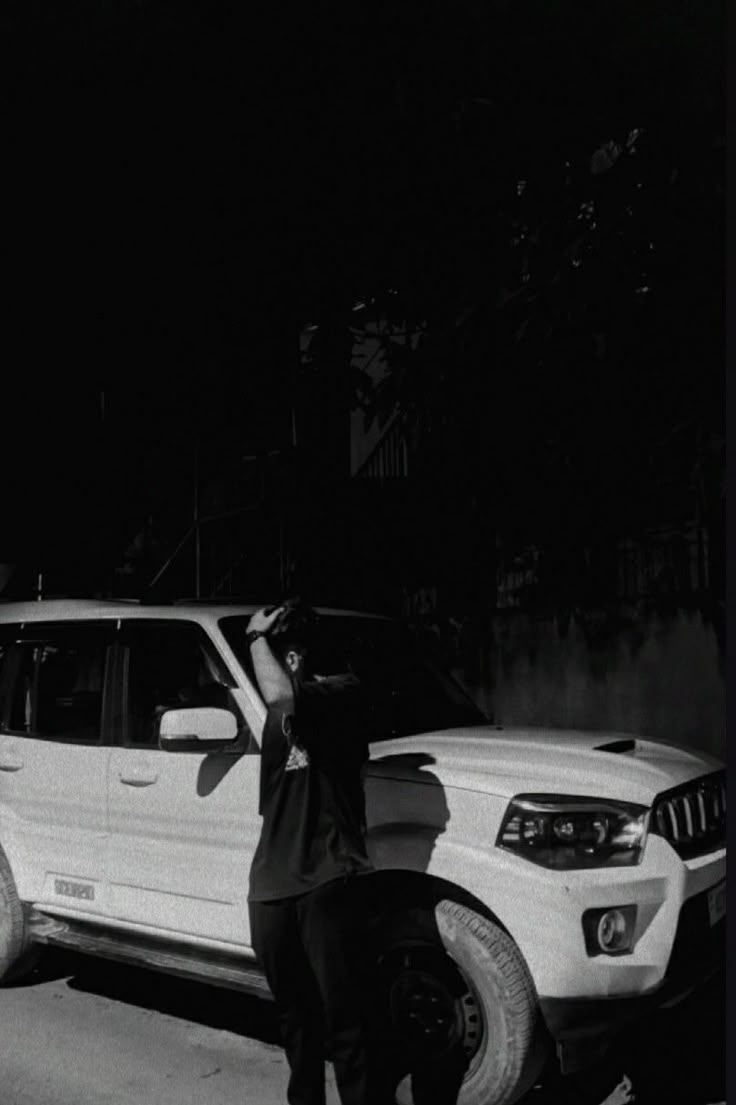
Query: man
[[304, 897]]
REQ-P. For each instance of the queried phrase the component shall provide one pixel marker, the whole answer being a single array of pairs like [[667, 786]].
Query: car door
[[180, 835], [55, 742]]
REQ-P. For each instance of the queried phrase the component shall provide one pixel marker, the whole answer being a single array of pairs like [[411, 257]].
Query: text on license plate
[[717, 903]]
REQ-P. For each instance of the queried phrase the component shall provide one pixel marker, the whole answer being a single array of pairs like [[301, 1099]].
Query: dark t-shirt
[[311, 791]]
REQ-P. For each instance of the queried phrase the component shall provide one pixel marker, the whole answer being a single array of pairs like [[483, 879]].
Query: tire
[[458, 1007], [18, 955]]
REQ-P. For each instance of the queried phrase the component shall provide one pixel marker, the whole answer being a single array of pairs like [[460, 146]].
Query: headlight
[[565, 833]]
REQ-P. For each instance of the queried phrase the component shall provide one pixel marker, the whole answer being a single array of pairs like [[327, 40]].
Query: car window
[[406, 690], [21, 695], [7, 636], [170, 665], [56, 691]]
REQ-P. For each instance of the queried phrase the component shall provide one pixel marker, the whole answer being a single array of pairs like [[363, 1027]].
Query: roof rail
[[61, 596]]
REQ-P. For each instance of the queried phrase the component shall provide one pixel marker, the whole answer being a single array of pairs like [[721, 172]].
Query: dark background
[[537, 187]]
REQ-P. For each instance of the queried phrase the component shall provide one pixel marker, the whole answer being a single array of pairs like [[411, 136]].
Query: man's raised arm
[[273, 679]]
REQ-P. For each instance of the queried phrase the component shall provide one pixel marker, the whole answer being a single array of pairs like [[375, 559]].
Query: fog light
[[609, 931], [612, 930]]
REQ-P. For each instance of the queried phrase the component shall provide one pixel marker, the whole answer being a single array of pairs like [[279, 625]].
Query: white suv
[[532, 886]]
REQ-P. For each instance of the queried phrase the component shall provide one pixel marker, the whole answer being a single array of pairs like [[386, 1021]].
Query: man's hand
[[622, 1094], [262, 620]]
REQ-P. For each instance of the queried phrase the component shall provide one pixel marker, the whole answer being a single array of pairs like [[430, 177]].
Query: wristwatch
[[253, 635]]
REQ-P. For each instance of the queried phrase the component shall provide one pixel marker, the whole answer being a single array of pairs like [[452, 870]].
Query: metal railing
[[389, 458]]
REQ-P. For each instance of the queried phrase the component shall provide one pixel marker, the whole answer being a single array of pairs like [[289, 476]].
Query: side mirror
[[197, 729]]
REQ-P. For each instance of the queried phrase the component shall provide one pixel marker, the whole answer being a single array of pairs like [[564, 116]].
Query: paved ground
[[84, 1032]]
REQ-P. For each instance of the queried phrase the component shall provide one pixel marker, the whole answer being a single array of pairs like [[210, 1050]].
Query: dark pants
[[309, 948]]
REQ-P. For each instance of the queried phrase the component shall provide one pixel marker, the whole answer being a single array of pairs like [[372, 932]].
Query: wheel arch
[[401, 887], [462, 856]]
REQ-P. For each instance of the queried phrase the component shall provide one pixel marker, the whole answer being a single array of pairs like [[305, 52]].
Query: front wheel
[[461, 1006]]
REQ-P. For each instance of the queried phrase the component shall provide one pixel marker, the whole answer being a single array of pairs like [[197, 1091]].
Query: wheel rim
[[432, 1006]]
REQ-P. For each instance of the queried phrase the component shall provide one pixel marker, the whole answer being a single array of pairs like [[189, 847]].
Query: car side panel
[[53, 820], [183, 831]]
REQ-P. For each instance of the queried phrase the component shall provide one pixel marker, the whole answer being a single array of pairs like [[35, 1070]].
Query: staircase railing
[[389, 457]]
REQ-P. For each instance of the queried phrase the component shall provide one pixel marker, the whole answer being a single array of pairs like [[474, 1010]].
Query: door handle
[[10, 763], [138, 779]]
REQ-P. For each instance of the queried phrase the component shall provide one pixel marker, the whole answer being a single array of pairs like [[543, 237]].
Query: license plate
[[717, 903]]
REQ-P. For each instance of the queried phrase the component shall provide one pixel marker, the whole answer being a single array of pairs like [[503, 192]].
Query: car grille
[[693, 817]]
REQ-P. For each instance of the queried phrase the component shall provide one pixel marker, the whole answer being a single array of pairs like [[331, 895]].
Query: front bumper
[[583, 1027]]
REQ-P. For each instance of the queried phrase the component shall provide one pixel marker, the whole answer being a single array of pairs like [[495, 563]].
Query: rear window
[[52, 682], [408, 690]]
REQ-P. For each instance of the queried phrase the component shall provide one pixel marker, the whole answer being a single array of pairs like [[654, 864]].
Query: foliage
[[548, 255]]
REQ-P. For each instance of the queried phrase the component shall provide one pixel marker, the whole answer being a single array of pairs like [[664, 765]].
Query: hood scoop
[[628, 745]]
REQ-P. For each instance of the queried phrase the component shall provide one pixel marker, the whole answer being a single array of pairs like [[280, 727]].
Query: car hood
[[506, 762]]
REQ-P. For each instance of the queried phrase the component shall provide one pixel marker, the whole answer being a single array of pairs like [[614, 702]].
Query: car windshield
[[409, 691]]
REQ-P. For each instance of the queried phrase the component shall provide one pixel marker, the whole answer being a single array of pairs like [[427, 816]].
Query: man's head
[[293, 633]]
